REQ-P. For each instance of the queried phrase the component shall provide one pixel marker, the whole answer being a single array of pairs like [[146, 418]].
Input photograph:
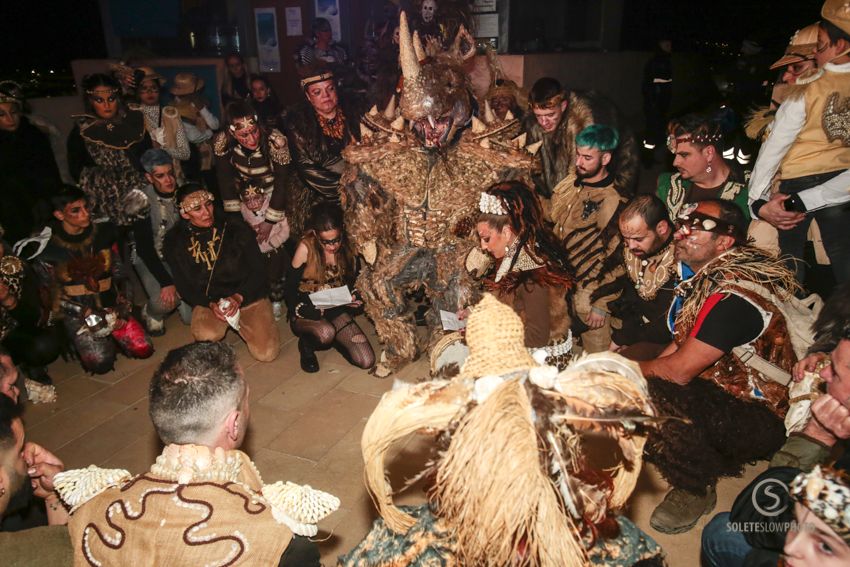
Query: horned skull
[[436, 90]]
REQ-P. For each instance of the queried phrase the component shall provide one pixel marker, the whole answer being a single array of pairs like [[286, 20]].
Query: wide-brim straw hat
[[151, 74], [496, 339], [186, 84], [802, 47]]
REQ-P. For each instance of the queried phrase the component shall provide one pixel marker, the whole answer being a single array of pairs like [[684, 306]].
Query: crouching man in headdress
[[202, 502], [218, 270], [727, 368]]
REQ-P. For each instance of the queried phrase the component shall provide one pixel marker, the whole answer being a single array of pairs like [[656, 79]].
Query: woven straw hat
[[496, 339], [802, 47], [186, 84], [151, 74]]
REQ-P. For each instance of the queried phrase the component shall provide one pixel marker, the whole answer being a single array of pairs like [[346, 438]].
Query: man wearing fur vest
[[727, 369], [556, 119]]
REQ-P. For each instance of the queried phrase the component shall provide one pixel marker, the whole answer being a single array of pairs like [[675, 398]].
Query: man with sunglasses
[[723, 372], [809, 147], [218, 269]]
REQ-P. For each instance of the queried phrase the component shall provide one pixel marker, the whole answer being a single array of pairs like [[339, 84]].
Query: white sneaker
[[277, 309]]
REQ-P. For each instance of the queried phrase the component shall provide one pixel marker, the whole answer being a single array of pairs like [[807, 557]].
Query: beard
[[585, 173]]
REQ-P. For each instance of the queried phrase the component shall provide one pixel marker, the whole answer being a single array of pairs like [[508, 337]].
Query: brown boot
[[681, 510]]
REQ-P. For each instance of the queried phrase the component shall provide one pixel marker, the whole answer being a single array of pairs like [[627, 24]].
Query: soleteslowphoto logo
[[770, 497]]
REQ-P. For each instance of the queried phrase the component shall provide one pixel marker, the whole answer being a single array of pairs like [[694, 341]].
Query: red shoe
[[133, 340]]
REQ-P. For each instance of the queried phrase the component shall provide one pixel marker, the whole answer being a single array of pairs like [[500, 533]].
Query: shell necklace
[[197, 463]]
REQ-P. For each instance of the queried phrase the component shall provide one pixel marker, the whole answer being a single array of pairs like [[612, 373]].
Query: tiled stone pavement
[[304, 427]]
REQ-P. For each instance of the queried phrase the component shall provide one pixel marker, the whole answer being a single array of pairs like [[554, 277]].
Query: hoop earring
[[708, 169]]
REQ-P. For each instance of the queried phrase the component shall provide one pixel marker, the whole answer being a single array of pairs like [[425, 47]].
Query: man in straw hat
[[199, 123], [728, 366], [512, 486], [809, 146]]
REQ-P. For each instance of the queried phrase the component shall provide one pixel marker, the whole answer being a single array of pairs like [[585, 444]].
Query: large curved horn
[[417, 47], [406, 54]]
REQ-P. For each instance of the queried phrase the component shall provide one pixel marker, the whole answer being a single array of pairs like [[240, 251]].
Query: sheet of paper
[[293, 21], [451, 322], [333, 297]]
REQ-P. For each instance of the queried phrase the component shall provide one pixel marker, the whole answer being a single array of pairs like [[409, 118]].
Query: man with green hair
[[585, 207]]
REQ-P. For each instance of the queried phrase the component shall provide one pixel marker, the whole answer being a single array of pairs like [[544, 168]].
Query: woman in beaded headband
[[821, 533]]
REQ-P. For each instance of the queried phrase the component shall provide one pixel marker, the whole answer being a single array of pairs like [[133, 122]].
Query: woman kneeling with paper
[[320, 293]]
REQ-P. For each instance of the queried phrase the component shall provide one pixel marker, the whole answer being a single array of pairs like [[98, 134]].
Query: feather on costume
[[512, 485]]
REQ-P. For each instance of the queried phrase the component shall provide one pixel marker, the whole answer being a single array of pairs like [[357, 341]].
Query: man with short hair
[[809, 146], [726, 369], [557, 116], [202, 501], [585, 206], [650, 263], [149, 236], [696, 141], [218, 270]]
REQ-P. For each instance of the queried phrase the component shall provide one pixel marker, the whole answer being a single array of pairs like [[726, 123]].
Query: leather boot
[[681, 510], [309, 362]]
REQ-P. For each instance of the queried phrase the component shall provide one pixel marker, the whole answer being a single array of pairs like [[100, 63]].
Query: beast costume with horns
[[411, 191], [512, 484]]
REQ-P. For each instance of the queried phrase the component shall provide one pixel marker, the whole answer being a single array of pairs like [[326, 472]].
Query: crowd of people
[[687, 309]]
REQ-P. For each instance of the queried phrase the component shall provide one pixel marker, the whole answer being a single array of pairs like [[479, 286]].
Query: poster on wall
[[293, 21], [329, 10], [268, 48]]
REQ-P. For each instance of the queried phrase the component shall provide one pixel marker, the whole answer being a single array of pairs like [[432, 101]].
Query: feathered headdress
[[512, 484]]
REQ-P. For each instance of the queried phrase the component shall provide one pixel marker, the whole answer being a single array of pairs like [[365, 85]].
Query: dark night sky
[[767, 21], [56, 32], [50, 34]]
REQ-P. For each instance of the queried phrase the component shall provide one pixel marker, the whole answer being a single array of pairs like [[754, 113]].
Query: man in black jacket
[[218, 270]]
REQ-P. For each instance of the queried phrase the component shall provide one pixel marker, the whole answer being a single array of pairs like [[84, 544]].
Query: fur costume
[[512, 485], [558, 155], [316, 160], [409, 210]]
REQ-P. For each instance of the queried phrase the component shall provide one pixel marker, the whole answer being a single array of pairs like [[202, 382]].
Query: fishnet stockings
[[340, 331]]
